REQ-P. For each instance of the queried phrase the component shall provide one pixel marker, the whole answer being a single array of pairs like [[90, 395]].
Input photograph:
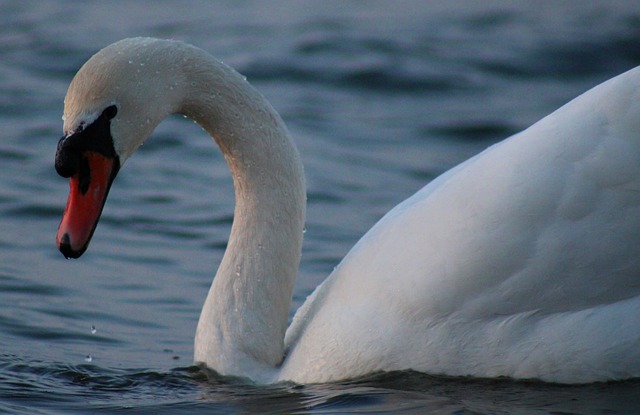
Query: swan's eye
[[110, 112]]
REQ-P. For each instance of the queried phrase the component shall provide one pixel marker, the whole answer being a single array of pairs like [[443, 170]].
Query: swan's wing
[[545, 222]]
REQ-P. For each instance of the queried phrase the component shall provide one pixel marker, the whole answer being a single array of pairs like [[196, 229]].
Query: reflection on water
[[83, 388], [380, 100]]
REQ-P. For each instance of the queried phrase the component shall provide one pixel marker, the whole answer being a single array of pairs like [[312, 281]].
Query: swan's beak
[[88, 189]]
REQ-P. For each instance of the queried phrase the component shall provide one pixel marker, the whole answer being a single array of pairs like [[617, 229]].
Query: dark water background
[[381, 97]]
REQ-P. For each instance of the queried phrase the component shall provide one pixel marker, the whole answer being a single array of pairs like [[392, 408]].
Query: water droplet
[[93, 330], [130, 62], [88, 358]]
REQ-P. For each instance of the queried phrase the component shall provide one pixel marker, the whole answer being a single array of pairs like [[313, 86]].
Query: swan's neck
[[244, 318]]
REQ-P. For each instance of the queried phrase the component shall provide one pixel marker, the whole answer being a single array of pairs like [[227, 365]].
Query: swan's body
[[524, 261]]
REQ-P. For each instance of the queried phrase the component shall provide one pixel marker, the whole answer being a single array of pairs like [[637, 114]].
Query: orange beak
[[88, 190]]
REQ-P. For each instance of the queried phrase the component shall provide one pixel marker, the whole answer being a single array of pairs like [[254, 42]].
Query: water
[[380, 98]]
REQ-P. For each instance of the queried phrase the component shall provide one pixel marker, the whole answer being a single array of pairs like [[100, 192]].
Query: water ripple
[[29, 384]]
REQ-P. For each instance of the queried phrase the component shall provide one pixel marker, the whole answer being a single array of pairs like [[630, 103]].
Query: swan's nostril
[[84, 175]]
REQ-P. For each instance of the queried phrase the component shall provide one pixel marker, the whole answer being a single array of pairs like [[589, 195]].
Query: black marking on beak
[[95, 137]]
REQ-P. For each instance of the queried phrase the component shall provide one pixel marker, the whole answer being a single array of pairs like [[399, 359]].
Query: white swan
[[523, 261]]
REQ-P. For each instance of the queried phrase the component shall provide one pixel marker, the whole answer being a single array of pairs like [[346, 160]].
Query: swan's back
[[524, 261]]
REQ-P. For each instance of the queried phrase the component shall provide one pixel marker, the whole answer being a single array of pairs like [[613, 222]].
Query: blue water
[[381, 97]]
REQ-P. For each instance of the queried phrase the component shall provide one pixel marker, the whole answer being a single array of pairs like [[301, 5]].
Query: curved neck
[[244, 318]]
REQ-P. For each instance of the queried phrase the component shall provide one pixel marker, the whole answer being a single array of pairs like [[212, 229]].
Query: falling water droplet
[[93, 330]]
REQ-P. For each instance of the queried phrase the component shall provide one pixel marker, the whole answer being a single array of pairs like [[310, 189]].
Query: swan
[[521, 262]]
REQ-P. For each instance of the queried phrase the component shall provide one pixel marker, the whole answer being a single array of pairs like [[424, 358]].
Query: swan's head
[[113, 103]]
